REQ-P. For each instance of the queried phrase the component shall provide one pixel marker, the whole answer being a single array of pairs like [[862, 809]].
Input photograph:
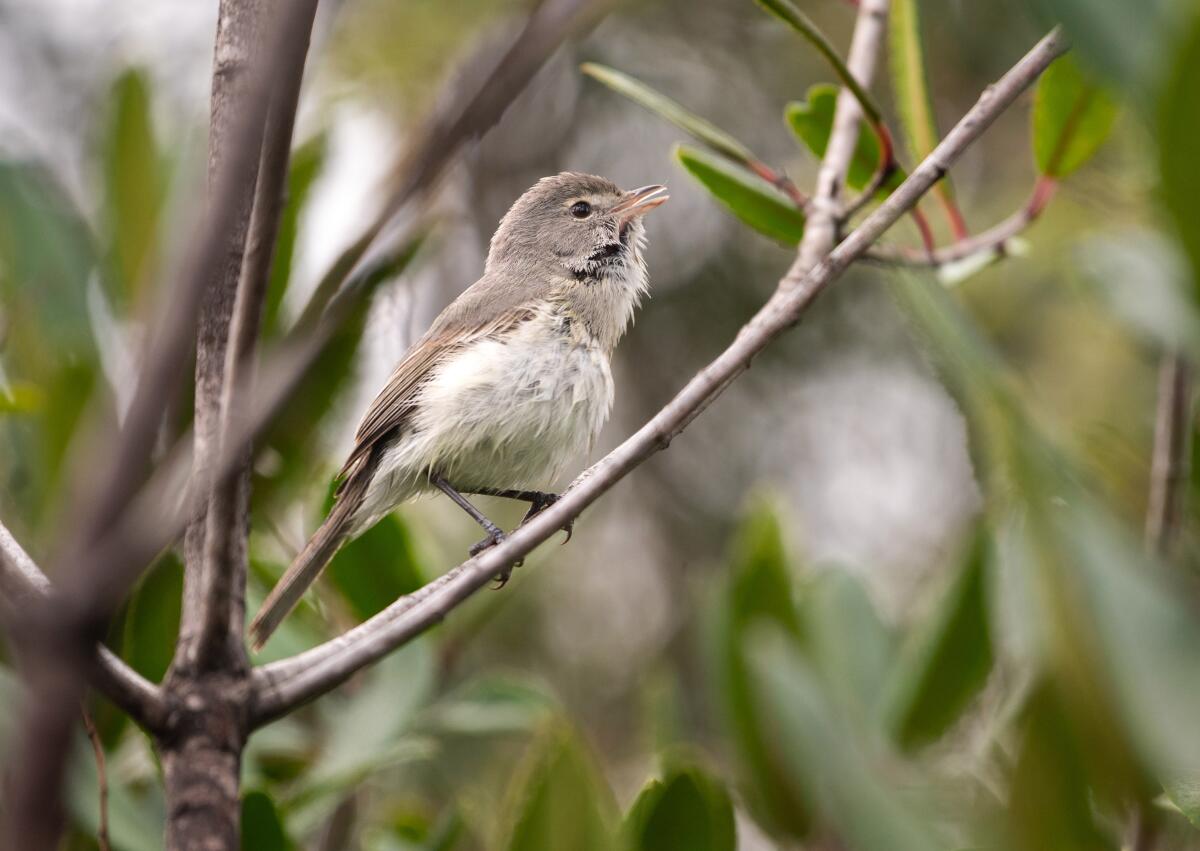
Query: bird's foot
[[495, 537], [539, 505]]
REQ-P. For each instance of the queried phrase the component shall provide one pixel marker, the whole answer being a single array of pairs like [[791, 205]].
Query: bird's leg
[[494, 533], [538, 501]]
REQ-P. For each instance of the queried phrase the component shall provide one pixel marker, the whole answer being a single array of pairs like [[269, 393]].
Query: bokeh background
[[846, 433]]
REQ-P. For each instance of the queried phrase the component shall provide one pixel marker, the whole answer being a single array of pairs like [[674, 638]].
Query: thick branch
[[23, 583], [64, 629], [283, 686], [223, 570]]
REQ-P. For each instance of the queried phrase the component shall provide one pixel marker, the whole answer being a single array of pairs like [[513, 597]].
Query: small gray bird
[[509, 384]]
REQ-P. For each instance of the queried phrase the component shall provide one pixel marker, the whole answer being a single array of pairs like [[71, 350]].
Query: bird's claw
[[541, 505], [490, 541]]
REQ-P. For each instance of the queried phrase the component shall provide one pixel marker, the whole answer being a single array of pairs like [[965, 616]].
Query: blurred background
[[846, 458]]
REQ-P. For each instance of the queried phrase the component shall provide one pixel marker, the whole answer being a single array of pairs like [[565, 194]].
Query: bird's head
[[586, 224]]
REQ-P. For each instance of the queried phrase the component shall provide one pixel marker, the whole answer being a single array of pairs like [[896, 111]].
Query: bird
[[512, 380]]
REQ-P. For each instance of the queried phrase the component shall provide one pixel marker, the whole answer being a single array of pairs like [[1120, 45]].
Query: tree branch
[[222, 574], [995, 239], [1172, 447], [866, 47], [281, 687], [63, 630], [23, 583]]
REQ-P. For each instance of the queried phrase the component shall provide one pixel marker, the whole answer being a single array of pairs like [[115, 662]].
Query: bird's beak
[[639, 202]]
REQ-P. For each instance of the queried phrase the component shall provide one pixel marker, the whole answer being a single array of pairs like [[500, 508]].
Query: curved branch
[[282, 687], [22, 581], [995, 238]]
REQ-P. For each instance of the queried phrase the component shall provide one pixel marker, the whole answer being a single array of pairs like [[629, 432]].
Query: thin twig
[[101, 779], [282, 686], [995, 239]]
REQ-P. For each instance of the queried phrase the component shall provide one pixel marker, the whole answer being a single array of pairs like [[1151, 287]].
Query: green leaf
[[910, 85], [688, 808], [824, 755], [845, 639], [152, 619], [558, 799], [48, 253], [760, 589], [262, 828], [1123, 40], [787, 12], [1179, 128], [491, 705], [756, 202], [661, 105], [134, 187], [1072, 117], [947, 659], [811, 121], [368, 729], [306, 164], [1049, 803], [376, 568]]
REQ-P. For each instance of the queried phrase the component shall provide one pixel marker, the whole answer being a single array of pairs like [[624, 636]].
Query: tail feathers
[[317, 553]]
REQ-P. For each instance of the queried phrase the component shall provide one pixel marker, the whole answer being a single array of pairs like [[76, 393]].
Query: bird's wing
[[391, 409]]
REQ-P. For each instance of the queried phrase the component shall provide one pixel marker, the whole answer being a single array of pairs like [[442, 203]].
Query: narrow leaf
[[827, 757], [756, 202], [911, 88], [152, 619], [787, 12], [1072, 117], [759, 590], [947, 659], [695, 126], [134, 186], [812, 123], [688, 808], [306, 164], [558, 798], [262, 828], [1179, 128]]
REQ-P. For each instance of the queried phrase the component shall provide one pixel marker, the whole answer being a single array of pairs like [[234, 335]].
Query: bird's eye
[[581, 209]]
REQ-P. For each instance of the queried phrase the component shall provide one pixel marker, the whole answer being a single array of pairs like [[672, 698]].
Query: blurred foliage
[[1042, 689]]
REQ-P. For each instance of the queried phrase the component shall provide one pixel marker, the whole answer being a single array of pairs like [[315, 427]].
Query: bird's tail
[[317, 553]]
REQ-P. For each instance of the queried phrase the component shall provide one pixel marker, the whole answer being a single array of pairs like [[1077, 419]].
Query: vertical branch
[[240, 31], [223, 571], [821, 230], [1169, 468]]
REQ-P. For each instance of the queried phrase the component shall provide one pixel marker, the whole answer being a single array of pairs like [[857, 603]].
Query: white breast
[[501, 414]]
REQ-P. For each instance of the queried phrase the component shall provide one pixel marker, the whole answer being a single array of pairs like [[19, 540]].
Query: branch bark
[[1172, 448], [280, 687], [241, 29], [219, 641], [22, 583]]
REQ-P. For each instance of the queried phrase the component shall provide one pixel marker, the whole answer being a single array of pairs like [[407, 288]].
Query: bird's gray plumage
[[511, 380]]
